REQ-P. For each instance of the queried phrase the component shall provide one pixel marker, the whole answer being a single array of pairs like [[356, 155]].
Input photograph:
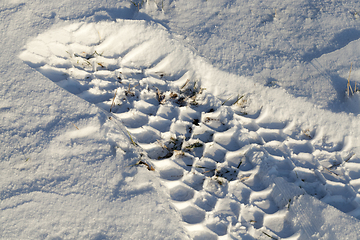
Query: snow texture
[[131, 130]]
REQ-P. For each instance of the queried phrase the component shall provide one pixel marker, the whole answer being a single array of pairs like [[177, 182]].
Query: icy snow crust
[[234, 165]]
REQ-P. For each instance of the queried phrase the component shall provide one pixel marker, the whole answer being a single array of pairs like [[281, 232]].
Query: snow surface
[[179, 120]]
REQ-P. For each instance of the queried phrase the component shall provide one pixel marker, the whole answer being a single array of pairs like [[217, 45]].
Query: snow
[[179, 120]]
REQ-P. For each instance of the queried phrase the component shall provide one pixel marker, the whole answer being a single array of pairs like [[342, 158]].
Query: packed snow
[[180, 120]]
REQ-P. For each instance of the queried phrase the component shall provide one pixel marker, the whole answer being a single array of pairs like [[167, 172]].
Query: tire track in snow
[[231, 170]]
